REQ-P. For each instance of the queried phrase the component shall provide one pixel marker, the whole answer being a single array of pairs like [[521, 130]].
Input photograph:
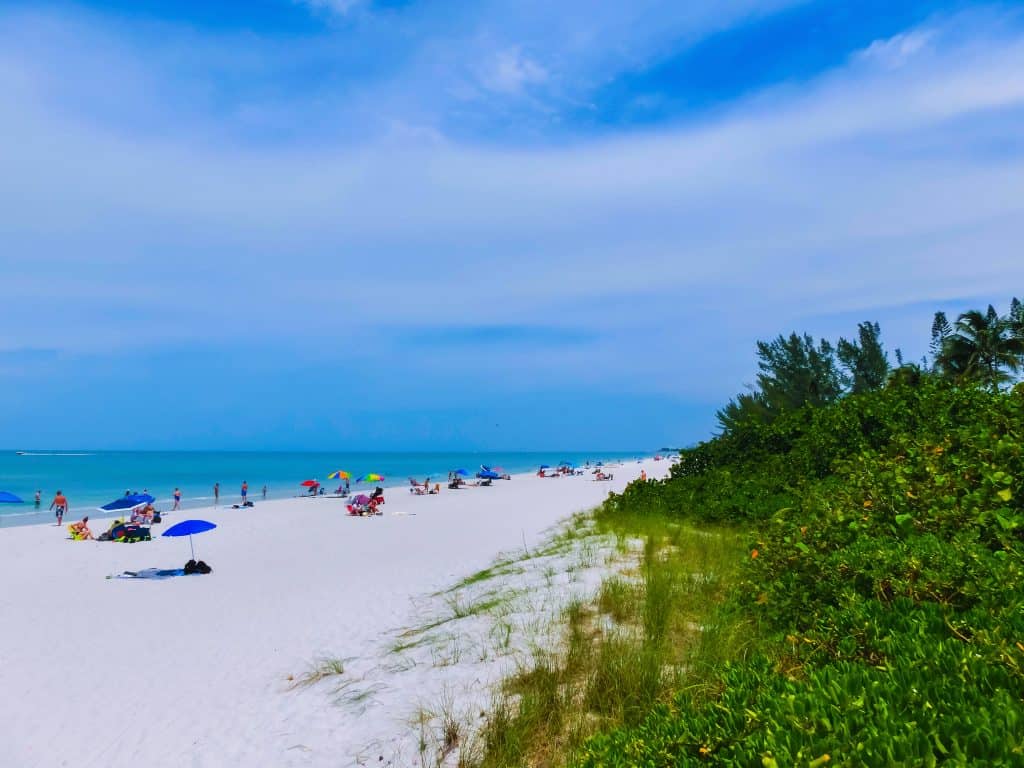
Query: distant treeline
[[982, 347]]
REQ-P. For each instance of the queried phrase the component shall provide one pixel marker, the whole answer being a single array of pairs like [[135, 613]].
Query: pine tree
[[941, 330], [865, 360]]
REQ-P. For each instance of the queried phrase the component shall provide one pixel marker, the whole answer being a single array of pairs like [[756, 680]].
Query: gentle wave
[[30, 453]]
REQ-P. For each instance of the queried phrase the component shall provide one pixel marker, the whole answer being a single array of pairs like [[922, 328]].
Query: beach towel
[[151, 573]]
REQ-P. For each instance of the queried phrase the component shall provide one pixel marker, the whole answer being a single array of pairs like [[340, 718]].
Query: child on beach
[[59, 505]]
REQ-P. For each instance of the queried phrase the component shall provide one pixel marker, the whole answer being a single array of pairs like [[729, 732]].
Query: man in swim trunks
[[177, 498], [59, 505], [245, 491], [216, 494]]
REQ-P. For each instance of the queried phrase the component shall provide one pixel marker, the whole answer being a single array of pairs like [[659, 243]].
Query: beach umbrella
[[339, 474], [373, 477], [461, 472], [187, 528], [490, 474], [309, 483], [6, 497], [128, 502], [545, 466]]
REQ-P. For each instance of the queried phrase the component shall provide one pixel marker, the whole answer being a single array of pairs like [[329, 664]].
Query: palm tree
[[983, 348]]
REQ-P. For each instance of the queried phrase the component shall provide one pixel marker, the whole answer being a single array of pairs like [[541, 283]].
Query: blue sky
[[491, 224]]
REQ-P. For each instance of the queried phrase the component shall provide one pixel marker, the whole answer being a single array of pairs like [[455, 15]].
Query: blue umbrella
[[461, 472], [127, 502], [490, 474], [187, 528], [6, 497], [545, 466]]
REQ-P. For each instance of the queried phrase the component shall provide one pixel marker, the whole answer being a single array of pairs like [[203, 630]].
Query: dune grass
[[653, 629], [322, 669]]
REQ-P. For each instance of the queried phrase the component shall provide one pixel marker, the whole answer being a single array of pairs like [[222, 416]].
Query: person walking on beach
[[177, 498], [216, 494], [245, 491], [643, 475], [59, 505], [264, 493]]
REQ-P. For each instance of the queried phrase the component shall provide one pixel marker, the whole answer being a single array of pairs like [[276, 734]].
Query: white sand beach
[[196, 670]]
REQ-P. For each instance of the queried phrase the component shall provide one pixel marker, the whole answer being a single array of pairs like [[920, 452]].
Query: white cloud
[[340, 7], [895, 51], [510, 71]]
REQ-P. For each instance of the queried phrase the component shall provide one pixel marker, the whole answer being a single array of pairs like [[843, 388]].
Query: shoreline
[[12, 516], [213, 659]]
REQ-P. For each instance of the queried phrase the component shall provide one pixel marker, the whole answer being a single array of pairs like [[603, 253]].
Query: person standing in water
[[59, 505], [39, 498], [264, 493], [177, 498], [216, 494], [245, 491]]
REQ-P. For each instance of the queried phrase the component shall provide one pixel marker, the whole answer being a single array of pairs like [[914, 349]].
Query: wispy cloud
[[503, 336], [341, 7], [510, 71]]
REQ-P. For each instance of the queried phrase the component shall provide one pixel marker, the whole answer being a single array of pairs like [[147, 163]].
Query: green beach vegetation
[[834, 578]]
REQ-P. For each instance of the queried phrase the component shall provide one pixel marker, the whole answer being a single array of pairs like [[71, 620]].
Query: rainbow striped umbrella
[[340, 474], [373, 477]]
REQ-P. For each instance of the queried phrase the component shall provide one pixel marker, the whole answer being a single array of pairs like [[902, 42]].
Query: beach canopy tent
[[130, 501], [339, 474], [6, 497], [189, 527]]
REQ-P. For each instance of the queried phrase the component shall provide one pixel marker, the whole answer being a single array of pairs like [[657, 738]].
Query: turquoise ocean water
[[92, 478]]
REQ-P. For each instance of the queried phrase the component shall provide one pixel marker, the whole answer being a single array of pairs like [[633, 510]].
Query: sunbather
[[80, 530], [143, 514]]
